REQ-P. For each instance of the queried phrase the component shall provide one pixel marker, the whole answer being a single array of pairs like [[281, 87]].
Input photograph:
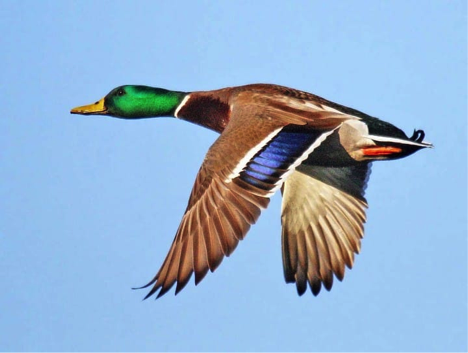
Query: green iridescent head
[[134, 102]]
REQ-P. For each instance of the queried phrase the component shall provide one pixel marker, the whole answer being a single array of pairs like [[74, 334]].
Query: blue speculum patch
[[266, 167]]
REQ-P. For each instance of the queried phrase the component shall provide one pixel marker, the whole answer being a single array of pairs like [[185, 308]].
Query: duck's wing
[[261, 145], [323, 215]]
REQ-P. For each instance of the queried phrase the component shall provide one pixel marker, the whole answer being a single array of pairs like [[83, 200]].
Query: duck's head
[[134, 102]]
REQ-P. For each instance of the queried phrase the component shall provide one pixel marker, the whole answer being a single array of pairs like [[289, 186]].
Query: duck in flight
[[318, 153]]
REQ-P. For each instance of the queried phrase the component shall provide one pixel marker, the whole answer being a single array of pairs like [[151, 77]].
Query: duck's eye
[[120, 92]]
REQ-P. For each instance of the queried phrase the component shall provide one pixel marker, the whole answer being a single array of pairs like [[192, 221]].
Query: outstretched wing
[[323, 215], [241, 171]]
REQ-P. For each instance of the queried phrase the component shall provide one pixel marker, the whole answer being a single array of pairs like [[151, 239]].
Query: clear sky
[[89, 205]]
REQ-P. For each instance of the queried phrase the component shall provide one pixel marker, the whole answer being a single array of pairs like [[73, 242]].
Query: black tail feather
[[418, 136]]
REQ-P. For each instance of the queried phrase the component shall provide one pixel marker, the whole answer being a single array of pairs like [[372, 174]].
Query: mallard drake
[[317, 152]]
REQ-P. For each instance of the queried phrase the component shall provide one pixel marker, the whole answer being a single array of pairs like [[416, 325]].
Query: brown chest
[[207, 111]]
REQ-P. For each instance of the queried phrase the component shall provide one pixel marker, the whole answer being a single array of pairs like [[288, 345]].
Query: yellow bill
[[95, 108]]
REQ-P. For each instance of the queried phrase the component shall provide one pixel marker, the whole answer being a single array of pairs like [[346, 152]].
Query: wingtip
[[151, 292], [328, 284], [148, 284], [301, 288], [316, 289], [143, 287], [146, 297], [160, 294], [179, 287]]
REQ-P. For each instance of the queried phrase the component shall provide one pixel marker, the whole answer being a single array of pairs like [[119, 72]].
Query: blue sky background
[[89, 205]]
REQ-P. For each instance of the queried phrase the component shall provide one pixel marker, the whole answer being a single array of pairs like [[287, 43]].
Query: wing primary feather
[[301, 281], [325, 268], [185, 265], [289, 248], [343, 241], [355, 227], [326, 273], [250, 214], [349, 231], [234, 222], [213, 247], [333, 248], [200, 257], [313, 272], [230, 241], [173, 270], [218, 234]]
